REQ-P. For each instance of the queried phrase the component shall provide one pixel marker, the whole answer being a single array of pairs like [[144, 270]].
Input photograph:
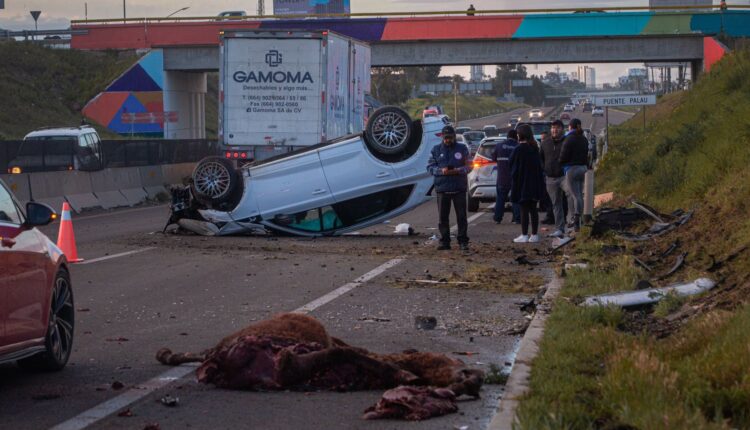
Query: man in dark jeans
[[554, 177], [501, 156], [449, 164]]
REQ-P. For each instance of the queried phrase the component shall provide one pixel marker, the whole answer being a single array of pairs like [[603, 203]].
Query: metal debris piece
[[677, 265], [373, 319], [425, 323], [559, 243], [641, 263], [441, 281], [523, 260], [466, 353], [648, 210], [170, 401], [657, 229], [651, 295], [671, 249]]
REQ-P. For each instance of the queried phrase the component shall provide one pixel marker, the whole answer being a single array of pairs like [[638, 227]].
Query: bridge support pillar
[[185, 93], [696, 68]]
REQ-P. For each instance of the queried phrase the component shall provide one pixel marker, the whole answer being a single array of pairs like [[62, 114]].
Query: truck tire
[[388, 130], [215, 181], [473, 204]]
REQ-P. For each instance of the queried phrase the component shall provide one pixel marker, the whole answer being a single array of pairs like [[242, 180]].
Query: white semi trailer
[[285, 90]]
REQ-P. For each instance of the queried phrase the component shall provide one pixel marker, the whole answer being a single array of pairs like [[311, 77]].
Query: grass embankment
[[469, 107], [685, 364], [49, 87]]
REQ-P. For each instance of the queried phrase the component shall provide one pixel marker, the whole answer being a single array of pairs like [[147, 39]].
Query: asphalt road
[[596, 124], [187, 292]]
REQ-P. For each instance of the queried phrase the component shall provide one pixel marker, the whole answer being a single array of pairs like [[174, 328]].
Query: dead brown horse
[[294, 351]]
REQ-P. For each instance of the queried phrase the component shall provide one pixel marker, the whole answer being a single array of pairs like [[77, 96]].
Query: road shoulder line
[[518, 381], [122, 254]]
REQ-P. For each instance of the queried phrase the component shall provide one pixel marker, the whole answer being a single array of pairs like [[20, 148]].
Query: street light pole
[[177, 11], [124, 14]]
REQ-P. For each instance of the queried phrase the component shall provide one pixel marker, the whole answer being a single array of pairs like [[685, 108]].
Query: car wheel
[[473, 204], [388, 130], [58, 342], [215, 181]]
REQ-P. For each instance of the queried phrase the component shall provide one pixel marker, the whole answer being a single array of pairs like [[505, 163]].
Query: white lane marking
[[338, 292], [134, 394], [122, 254], [109, 407]]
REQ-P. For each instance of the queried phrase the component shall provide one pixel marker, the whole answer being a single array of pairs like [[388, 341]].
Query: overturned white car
[[331, 188]]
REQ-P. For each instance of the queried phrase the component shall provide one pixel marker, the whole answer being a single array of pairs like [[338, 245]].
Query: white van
[[61, 148]]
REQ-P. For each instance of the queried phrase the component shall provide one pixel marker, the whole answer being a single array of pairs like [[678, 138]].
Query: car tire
[[216, 182], [389, 130], [58, 342], [473, 204]]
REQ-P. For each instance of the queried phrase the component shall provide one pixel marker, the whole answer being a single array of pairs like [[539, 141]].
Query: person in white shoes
[[527, 182]]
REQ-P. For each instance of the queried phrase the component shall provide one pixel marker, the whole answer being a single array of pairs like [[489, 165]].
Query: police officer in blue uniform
[[449, 164]]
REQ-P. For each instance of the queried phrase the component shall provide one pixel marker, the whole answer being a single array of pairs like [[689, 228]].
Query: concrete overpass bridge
[[182, 50]]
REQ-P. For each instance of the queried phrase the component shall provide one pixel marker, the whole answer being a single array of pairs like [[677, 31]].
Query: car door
[[23, 275], [351, 170], [290, 185]]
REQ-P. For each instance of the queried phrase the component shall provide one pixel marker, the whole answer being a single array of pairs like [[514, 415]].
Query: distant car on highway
[[59, 148], [597, 111], [588, 107], [535, 113], [538, 127], [568, 108], [38, 316], [462, 130], [514, 120], [483, 176], [490, 130], [327, 189], [472, 139]]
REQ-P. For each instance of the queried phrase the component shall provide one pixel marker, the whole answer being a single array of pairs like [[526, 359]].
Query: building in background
[[309, 7], [477, 73], [590, 77]]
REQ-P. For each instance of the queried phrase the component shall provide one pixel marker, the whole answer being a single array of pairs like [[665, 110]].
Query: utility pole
[[124, 13], [86, 11], [455, 101], [261, 8]]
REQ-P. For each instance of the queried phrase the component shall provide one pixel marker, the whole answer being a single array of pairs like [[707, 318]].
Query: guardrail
[[425, 13]]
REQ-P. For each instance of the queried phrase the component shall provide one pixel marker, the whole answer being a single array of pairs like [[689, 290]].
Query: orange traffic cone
[[66, 240]]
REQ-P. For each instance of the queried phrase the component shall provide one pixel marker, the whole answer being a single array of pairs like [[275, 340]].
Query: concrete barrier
[[116, 179], [154, 191], [151, 176], [19, 185], [176, 173], [111, 199], [57, 184], [81, 202], [134, 196]]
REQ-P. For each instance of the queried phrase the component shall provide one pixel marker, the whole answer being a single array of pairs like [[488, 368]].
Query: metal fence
[[126, 153]]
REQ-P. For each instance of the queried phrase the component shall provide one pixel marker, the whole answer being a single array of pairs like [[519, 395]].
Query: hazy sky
[[56, 14]]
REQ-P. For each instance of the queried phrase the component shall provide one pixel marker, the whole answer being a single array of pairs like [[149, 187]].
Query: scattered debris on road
[[117, 385], [404, 228], [170, 401], [125, 413], [425, 323]]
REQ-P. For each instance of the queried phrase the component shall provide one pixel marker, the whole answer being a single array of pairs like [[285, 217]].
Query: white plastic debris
[[403, 228], [576, 266]]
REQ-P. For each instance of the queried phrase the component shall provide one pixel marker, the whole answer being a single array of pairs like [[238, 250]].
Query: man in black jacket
[[550, 152], [449, 164], [574, 157]]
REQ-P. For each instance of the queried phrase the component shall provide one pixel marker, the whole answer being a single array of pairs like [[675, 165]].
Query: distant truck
[[283, 90]]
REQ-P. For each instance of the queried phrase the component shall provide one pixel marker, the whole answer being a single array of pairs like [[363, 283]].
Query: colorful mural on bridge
[[138, 90], [154, 33]]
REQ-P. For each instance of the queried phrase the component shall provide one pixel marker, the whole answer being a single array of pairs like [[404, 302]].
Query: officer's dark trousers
[[444, 209]]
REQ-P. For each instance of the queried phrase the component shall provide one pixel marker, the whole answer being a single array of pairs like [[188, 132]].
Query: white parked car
[[483, 176], [597, 111], [331, 188], [535, 113], [568, 108]]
